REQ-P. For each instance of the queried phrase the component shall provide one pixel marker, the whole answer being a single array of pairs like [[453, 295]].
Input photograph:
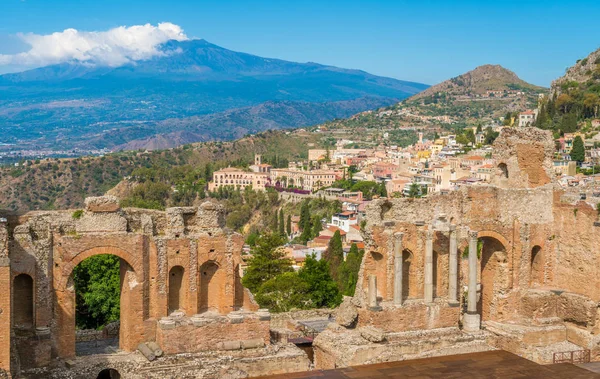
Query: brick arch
[[69, 266], [132, 301], [28, 271], [497, 236], [495, 277]]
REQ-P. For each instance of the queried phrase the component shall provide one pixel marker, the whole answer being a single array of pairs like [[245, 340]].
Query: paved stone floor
[[487, 365]]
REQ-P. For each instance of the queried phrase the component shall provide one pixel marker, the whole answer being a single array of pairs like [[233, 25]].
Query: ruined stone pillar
[[398, 268], [429, 267], [453, 269], [373, 293], [5, 311], [472, 320]]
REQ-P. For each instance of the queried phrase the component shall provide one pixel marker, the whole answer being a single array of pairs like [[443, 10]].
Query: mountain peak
[[479, 81]]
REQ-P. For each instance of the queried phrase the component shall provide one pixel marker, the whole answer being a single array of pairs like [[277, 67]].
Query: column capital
[[398, 236], [473, 234], [452, 228], [429, 234]]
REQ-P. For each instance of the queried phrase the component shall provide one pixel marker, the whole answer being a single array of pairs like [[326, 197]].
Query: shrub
[[77, 214]]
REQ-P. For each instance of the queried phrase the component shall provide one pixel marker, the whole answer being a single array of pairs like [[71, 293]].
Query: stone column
[[373, 293], [472, 320], [429, 267], [453, 269], [398, 268]]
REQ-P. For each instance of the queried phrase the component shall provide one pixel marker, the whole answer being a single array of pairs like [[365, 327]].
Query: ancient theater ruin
[[510, 266], [180, 288]]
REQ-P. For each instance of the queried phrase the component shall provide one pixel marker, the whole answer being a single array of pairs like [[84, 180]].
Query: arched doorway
[[536, 266], [407, 271], [495, 276], [503, 170], [130, 300], [23, 302], [210, 287], [175, 289], [109, 373], [98, 283]]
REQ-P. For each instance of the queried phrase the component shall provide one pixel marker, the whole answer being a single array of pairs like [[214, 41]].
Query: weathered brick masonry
[[174, 265]]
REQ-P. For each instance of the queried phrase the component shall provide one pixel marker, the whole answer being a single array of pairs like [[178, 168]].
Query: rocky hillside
[[479, 82], [64, 183], [583, 71], [574, 100], [478, 96]]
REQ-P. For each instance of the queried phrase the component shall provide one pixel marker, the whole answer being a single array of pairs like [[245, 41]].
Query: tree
[[470, 135], [288, 226], [281, 223], [569, 123], [564, 102], [317, 226], [507, 119], [334, 254], [304, 214], [275, 226], [490, 136], [414, 190], [349, 270], [323, 291], [284, 293], [268, 260], [578, 150], [97, 283], [462, 139]]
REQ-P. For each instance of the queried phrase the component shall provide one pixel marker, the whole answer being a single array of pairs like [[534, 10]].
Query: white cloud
[[114, 47]]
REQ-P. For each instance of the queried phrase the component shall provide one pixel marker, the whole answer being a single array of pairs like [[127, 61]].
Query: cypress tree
[[578, 150], [334, 255], [288, 227], [281, 223]]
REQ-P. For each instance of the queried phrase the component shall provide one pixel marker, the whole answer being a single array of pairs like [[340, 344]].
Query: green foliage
[[268, 260], [311, 287], [479, 248], [281, 223], [252, 238], [578, 150], [349, 271], [288, 225], [334, 255], [470, 136], [77, 214], [490, 136], [414, 190], [322, 290], [284, 293], [369, 189], [148, 195], [97, 289]]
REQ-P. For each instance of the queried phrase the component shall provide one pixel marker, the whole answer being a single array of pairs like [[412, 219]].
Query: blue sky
[[424, 41]]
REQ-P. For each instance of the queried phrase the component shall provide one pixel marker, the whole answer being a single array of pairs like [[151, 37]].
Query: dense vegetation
[[97, 291], [317, 284]]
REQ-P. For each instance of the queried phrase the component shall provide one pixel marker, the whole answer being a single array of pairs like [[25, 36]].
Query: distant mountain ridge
[[191, 78]]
